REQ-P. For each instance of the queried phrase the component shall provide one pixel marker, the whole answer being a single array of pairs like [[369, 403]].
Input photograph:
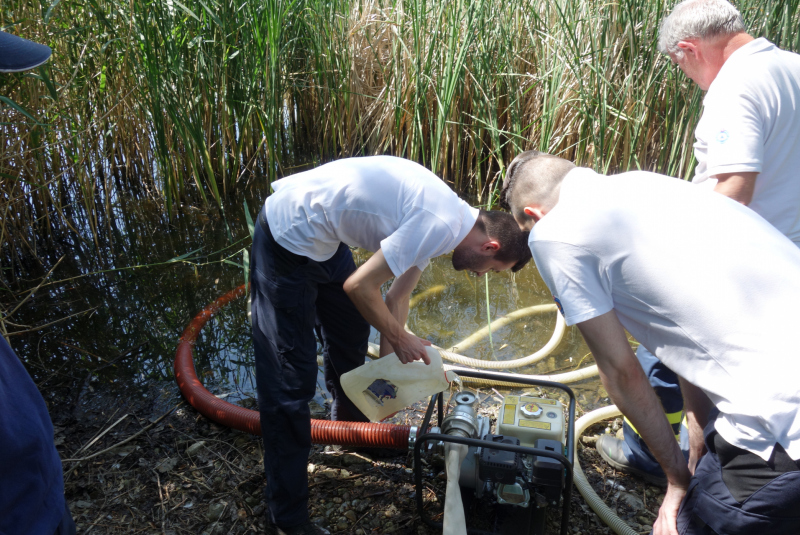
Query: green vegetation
[[190, 101]]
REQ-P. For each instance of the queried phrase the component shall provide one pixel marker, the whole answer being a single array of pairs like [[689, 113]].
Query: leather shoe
[[610, 449]]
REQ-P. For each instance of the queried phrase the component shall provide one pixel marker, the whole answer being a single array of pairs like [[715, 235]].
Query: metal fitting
[[463, 420], [412, 437]]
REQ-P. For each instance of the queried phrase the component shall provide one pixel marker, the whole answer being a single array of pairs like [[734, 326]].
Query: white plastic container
[[384, 386]]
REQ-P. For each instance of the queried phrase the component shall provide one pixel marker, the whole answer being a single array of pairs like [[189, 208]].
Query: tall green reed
[[193, 101]]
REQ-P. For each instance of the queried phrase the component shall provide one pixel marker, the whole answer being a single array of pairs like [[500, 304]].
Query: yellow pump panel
[[529, 418]]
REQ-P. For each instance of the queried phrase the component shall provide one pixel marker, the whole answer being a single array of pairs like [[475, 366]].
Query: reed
[[191, 101]]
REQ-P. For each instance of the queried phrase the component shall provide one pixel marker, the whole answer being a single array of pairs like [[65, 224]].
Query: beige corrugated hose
[[595, 502]]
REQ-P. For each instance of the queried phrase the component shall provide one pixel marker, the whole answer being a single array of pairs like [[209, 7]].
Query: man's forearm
[[628, 387], [397, 301], [637, 400], [364, 289], [369, 302]]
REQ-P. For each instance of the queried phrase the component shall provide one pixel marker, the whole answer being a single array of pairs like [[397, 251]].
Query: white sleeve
[[420, 237], [734, 130], [576, 278]]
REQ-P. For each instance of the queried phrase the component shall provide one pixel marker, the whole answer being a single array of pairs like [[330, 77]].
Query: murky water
[[112, 312]]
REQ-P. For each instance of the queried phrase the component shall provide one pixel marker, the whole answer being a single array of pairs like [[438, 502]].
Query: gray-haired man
[[748, 139]]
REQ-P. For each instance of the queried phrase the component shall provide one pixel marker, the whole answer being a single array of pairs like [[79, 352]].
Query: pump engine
[[520, 468]]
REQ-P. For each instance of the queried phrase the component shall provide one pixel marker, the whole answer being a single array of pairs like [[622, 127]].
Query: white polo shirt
[[704, 283], [375, 202], [751, 123]]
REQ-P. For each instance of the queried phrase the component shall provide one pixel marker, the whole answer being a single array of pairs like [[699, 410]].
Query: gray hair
[[533, 176], [698, 19]]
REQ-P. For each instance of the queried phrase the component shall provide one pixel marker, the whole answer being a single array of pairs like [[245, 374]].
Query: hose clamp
[[412, 437]]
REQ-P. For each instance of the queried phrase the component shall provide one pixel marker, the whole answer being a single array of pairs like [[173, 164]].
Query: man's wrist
[[679, 476]]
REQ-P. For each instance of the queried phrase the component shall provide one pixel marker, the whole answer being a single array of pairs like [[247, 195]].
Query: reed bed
[[192, 101]]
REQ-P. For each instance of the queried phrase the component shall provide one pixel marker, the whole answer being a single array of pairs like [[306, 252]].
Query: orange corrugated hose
[[209, 405]]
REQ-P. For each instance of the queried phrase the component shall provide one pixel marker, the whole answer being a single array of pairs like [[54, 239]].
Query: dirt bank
[[143, 461]]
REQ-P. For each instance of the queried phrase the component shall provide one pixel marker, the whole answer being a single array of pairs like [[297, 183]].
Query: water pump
[[513, 473]]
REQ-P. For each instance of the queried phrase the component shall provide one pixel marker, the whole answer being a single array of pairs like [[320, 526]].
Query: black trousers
[[292, 297], [736, 492]]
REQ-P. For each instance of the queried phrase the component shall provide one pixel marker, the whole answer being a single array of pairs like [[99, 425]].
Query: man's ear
[[490, 245], [534, 212], [689, 47]]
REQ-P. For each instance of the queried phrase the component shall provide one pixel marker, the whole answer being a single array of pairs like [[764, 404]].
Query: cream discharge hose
[[579, 478], [558, 333], [555, 339], [566, 377]]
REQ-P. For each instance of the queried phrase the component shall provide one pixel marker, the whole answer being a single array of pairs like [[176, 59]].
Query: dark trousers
[[67, 525], [735, 492], [292, 297]]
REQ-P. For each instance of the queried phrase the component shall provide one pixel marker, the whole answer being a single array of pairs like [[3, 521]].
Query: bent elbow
[[350, 286]]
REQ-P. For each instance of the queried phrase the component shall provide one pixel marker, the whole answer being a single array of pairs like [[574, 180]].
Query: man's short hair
[[535, 176], [501, 226], [698, 19]]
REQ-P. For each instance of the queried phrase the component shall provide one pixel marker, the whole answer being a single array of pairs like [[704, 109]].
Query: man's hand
[[410, 348], [667, 521]]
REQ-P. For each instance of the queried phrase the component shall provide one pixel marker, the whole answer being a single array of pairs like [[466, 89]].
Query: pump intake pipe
[[322, 431]]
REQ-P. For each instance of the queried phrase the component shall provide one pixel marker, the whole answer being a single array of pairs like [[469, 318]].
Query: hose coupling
[[463, 420]]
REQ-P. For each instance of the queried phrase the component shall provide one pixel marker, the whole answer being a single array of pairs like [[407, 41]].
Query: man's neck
[[734, 43], [717, 52]]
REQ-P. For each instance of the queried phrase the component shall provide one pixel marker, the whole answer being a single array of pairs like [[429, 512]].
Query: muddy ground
[[144, 461]]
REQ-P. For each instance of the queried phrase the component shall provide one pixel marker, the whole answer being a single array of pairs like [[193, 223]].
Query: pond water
[[112, 310]]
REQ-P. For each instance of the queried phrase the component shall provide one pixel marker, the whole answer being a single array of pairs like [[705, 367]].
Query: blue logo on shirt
[[722, 136], [558, 304]]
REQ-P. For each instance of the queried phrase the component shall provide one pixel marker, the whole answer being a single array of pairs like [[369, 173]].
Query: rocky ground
[[146, 462]]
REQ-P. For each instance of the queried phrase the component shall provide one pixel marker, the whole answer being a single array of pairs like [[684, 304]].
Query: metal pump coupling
[[462, 420]]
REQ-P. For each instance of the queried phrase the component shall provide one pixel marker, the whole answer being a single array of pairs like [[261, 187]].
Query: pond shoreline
[[149, 463]]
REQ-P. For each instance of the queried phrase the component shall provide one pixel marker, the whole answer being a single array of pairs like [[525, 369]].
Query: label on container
[[539, 400], [381, 390], [509, 414], [534, 424]]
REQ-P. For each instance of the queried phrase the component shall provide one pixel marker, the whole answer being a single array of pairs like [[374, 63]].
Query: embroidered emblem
[[722, 136], [558, 304]]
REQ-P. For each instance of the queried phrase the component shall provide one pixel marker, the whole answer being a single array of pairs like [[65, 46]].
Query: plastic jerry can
[[384, 386]]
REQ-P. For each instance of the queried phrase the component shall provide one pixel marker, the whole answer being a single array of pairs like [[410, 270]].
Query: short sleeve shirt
[[751, 123], [695, 277], [377, 202]]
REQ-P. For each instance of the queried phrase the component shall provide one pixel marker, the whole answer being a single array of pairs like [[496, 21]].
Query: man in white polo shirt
[[748, 138], [303, 278], [711, 289], [747, 147]]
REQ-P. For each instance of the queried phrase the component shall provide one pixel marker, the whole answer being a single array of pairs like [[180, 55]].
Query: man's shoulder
[[756, 64]]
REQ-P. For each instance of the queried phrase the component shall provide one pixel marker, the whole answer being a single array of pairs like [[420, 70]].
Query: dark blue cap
[[18, 54]]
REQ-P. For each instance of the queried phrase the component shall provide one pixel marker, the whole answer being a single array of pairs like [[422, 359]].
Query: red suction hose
[[222, 412]]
